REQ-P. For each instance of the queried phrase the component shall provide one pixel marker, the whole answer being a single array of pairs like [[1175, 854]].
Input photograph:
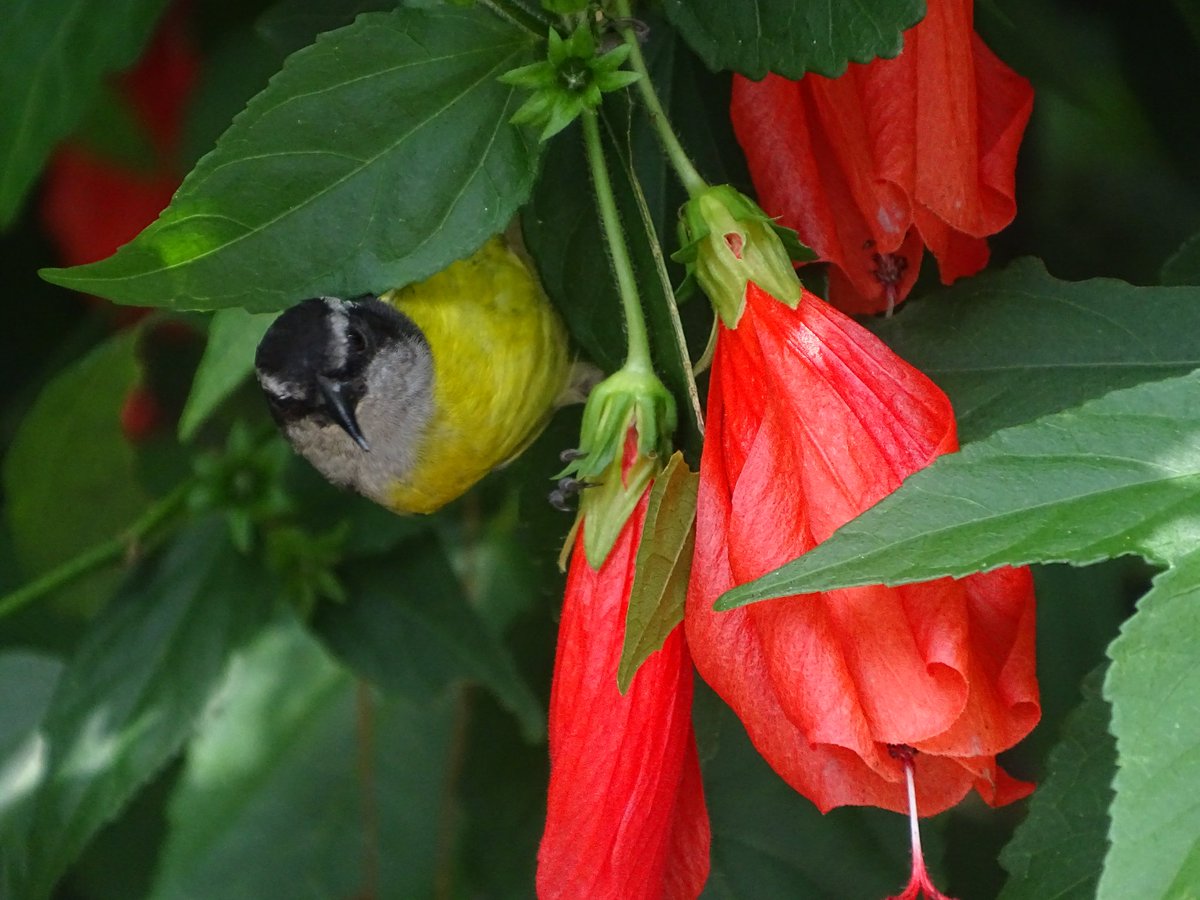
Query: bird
[[412, 396]]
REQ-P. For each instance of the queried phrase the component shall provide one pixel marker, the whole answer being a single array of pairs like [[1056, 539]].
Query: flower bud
[[623, 444], [728, 241]]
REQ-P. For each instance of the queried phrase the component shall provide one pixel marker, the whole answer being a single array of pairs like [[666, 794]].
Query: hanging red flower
[[626, 818], [892, 157], [811, 419]]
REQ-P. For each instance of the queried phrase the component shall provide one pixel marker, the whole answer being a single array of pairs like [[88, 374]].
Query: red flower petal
[[892, 155], [91, 206], [811, 420], [159, 85], [626, 817], [141, 414]]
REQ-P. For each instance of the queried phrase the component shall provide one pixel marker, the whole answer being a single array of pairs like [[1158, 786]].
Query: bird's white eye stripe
[[277, 388], [339, 325]]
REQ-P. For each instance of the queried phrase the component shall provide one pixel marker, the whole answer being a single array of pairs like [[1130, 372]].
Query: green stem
[[664, 278], [692, 181], [638, 356], [95, 557]]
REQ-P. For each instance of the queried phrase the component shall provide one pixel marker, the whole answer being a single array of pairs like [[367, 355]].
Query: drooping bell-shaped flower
[[625, 818], [891, 157], [812, 419]]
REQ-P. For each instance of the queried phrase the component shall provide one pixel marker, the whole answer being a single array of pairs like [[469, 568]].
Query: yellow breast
[[500, 360]]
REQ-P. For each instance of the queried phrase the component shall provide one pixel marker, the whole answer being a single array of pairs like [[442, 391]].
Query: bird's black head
[[313, 360]]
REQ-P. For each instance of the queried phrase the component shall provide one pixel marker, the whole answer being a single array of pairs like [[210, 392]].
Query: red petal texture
[[812, 419], [626, 818], [892, 157]]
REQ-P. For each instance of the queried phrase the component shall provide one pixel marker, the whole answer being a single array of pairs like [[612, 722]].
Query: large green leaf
[[408, 629], [31, 677], [755, 37], [1057, 853], [376, 157], [70, 476], [288, 25], [129, 699], [302, 783], [228, 361], [769, 841], [1183, 267], [1152, 685], [1115, 476], [52, 56], [1012, 345], [502, 788]]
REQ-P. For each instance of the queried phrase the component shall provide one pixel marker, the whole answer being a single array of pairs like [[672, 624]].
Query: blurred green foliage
[[276, 689]]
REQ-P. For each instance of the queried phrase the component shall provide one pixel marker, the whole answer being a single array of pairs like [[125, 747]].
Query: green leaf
[[1115, 476], [769, 841], [1152, 686], [302, 783], [323, 184], [289, 25], [70, 476], [129, 698], [502, 788], [228, 361], [53, 54], [31, 677], [1058, 851], [1012, 345], [761, 36], [409, 630], [1184, 265], [663, 565]]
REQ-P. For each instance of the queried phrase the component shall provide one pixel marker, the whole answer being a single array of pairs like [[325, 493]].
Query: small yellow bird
[[412, 397]]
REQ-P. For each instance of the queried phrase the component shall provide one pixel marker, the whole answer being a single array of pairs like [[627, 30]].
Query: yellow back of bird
[[500, 361]]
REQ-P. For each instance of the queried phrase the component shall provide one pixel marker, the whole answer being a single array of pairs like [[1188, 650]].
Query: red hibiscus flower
[[892, 157], [811, 419], [625, 817]]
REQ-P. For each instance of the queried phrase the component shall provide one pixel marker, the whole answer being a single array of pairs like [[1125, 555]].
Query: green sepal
[[797, 250], [245, 482], [662, 568], [606, 507], [571, 79], [631, 398], [723, 267]]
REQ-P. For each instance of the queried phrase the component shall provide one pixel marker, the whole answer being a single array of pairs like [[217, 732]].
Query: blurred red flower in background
[[892, 157], [811, 419], [92, 204], [626, 818]]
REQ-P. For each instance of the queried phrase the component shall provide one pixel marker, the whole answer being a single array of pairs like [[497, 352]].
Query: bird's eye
[[356, 340]]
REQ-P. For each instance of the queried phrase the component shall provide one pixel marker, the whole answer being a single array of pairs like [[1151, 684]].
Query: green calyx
[[631, 398], [571, 79], [727, 240]]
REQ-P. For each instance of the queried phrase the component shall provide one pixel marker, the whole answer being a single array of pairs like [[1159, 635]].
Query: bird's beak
[[341, 410]]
